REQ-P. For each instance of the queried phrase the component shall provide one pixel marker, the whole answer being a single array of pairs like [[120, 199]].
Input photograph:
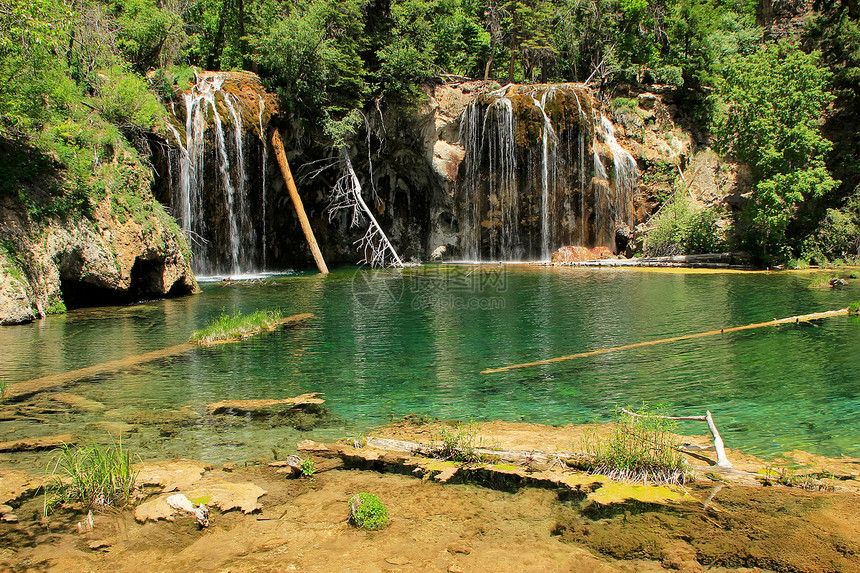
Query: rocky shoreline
[[535, 514]]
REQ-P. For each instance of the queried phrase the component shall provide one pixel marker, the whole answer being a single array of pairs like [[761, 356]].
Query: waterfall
[[213, 199], [548, 165], [265, 159], [626, 173], [526, 186]]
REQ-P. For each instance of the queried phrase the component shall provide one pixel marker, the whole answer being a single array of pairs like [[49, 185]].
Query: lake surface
[[385, 344]]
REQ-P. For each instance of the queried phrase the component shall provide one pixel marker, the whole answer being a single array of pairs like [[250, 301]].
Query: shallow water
[[389, 343]]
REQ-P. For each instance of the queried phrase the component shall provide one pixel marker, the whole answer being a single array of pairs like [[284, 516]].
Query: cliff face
[[114, 257]]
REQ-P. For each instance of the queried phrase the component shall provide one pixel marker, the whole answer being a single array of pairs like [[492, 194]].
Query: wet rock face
[[218, 171], [88, 262]]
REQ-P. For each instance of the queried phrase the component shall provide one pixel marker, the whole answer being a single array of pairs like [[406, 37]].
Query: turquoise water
[[385, 344]]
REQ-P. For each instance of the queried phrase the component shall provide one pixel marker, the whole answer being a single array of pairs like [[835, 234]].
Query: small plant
[[854, 275], [367, 512], [640, 448], [308, 467], [358, 441], [94, 476], [237, 326], [457, 445], [854, 307], [4, 388]]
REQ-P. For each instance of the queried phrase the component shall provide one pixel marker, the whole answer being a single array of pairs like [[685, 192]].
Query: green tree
[[774, 103]]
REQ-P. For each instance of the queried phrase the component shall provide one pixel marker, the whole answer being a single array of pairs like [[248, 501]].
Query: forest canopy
[[83, 80]]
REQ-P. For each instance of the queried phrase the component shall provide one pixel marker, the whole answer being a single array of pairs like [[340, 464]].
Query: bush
[[854, 307], [308, 467], [367, 512], [837, 236], [640, 448], [94, 476], [681, 228]]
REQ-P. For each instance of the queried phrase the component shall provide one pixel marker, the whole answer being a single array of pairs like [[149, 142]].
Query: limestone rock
[[103, 259], [15, 484], [230, 495], [154, 509], [33, 444], [262, 407], [171, 475]]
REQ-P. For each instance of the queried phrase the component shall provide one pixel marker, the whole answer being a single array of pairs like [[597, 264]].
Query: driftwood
[[774, 322], [722, 459], [297, 201], [258, 407]]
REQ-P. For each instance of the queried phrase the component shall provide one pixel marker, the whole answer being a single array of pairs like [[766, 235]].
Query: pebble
[[97, 544], [459, 548], [10, 518]]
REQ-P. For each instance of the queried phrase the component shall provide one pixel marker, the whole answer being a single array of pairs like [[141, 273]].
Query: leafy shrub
[[837, 236], [308, 467], [640, 448], [681, 228], [367, 512], [94, 476], [854, 307]]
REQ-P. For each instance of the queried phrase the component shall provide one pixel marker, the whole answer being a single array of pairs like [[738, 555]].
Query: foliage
[[4, 388], [457, 445], [854, 307], [683, 228], [774, 100], [837, 235], [821, 281], [236, 326], [94, 476], [367, 512], [640, 448], [308, 467]]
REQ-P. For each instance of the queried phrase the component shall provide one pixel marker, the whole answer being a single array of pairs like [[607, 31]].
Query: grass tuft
[[237, 326], [639, 449], [457, 445], [854, 307], [95, 476]]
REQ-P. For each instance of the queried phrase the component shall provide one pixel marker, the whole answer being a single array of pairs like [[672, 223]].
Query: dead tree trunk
[[297, 201]]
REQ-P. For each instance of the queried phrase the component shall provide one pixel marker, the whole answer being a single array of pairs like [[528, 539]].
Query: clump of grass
[[640, 448], [237, 326], [94, 476], [820, 281], [854, 307], [458, 444], [367, 511], [4, 388]]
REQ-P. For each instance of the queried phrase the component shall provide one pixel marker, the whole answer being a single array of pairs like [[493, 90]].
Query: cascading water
[[526, 186], [219, 195]]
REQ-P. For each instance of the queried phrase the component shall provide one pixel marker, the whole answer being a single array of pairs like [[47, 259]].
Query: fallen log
[[774, 322], [297, 201]]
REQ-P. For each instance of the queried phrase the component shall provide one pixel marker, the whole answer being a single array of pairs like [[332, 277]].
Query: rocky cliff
[[117, 256]]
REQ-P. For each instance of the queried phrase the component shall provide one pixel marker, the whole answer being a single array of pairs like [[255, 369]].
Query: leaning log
[[297, 201]]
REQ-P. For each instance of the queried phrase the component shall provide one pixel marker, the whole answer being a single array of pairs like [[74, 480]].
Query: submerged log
[[774, 322]]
